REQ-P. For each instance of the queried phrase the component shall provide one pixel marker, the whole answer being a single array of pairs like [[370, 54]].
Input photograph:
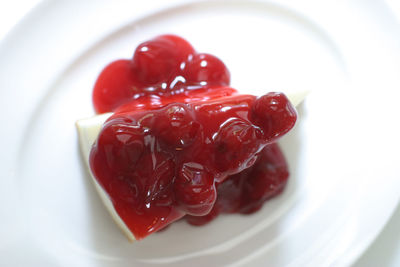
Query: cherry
[[275, 114], [194, 189], [206, 69], [156, 61], [115, 86], [176, 126], [236, 144]]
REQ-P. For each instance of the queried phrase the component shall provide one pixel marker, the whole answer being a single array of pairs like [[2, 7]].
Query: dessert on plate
[[172, 140]]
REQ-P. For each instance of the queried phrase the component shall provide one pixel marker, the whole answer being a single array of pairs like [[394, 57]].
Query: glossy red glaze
[[181, 142]]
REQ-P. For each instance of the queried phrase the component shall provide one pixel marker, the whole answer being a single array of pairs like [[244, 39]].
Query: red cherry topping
[[181, 141]]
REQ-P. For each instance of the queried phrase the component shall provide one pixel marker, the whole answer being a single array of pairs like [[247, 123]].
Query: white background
[[385, 251]]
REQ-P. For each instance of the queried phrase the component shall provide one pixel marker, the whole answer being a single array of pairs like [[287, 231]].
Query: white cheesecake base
[[88, 130]]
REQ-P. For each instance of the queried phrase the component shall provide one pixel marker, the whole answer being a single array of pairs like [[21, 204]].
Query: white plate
[[345, 179]]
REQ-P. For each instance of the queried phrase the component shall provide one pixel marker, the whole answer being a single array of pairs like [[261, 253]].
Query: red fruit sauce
[[181, 142]]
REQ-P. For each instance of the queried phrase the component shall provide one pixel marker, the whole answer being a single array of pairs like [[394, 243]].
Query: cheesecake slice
[[88, 131]]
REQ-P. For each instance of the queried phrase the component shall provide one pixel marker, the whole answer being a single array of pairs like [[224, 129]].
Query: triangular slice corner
[[88, 130]]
